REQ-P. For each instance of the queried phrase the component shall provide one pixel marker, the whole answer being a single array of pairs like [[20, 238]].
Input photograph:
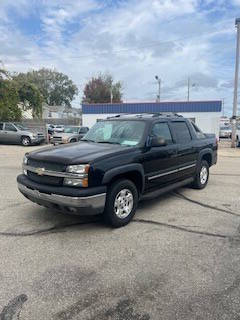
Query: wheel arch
[[133, 172], [206, 155]]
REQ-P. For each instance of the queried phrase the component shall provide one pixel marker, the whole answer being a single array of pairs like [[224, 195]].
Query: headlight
[[81, 179], [25, 162], [78, 168]]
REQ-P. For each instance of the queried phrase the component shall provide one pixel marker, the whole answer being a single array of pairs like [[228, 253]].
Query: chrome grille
[[57, 181]]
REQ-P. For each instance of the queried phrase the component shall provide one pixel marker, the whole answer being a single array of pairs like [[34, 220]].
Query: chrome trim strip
[[58, 174], [94, 202], [187, 167], [170, 172], [162, 174]]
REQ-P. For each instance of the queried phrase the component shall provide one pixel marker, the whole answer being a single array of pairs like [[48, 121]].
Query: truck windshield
[[71, 130], [122, 132]]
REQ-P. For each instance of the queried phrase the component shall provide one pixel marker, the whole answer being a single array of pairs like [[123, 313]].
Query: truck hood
[[79, 152]]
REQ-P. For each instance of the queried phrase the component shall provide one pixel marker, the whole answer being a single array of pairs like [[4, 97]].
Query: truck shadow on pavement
[[60, 222]]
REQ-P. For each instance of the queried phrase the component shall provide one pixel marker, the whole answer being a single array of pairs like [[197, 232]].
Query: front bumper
[[81, 204], [37, 140], [53, 141]]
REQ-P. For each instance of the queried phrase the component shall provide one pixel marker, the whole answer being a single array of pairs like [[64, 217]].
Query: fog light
[[72, 182]]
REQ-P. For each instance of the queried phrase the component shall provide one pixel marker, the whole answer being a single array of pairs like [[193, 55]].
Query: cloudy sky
[[132, 39]]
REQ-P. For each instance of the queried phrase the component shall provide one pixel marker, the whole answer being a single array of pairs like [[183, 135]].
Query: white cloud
[[134, 40]]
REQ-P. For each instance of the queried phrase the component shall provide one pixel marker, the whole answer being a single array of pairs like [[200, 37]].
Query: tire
[[202, 175], [25, 141], [73, 140], [115, 214]]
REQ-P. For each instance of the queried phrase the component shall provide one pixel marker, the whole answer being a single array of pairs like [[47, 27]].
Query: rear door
[[186, 148], [160, 162]]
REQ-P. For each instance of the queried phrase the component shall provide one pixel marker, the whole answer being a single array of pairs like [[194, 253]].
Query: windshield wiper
[[110, 142], [88, 140]]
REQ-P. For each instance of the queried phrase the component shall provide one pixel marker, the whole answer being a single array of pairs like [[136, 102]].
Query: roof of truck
[[146, 116]]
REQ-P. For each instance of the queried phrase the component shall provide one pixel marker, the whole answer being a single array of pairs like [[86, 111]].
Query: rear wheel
[[202, 175], [26, 141], [121, 203]]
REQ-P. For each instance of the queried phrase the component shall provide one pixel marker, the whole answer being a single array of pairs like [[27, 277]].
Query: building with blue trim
[[206, 114]]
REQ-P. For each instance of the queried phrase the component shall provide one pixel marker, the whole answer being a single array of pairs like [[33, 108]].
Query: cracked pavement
[[178, 259]]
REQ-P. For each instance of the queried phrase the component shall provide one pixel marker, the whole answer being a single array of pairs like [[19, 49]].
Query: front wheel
[[26, 141], [202, 176], [121, 203]]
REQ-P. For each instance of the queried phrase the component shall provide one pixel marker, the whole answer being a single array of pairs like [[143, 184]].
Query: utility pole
[[159, 88], [188, 86], [111, 95], [223, 102], [235, 97]]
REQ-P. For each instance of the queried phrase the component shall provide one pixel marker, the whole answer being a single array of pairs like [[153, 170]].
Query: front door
[[10, 133], [160, 162]]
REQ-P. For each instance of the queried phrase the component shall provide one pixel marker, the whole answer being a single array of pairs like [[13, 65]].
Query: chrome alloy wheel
[[203, 175], [123, 203], [25, 141]]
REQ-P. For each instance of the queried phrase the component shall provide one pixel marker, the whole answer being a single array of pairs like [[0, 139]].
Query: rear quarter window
[[181, 132]]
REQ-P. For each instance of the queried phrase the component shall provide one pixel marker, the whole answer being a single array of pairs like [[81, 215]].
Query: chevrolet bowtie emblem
[[40, 171]]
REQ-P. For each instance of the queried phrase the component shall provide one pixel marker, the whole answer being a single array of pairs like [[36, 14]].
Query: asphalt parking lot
[[178, 259]]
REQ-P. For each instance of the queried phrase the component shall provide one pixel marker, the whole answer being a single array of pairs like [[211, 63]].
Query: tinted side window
[[1, 126], [84, 130], [181, 132], [10, 127], [161, 129]]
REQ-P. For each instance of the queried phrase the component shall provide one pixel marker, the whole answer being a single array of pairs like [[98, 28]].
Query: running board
[[156, 193]]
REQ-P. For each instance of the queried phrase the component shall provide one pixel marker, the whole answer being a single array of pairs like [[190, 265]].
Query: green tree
[[55, 87], [9, 100], [31, 98], [102, 89]]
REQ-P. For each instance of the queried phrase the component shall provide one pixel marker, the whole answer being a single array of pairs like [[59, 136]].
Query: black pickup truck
[[119, 161]]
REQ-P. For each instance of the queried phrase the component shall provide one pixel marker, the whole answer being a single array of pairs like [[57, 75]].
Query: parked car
[[50, 128], [70, 134], [58, 128], [225, 132], [119, 161], [15, 133], [238, 136]]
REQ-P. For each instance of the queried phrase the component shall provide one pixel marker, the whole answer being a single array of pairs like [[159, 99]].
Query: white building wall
[[208, 122]]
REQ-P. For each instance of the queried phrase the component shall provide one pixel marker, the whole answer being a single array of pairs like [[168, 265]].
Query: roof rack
[[166, 114], [150, 114]]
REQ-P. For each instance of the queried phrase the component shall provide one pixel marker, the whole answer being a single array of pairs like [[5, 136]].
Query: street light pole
[[235, 98], [159, 88], [188, 91]]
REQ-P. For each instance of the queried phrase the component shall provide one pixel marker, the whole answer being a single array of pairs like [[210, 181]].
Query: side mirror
[[158, 142]]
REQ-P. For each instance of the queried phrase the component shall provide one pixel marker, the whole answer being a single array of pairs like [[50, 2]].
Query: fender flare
[[124, 169], [202, 153]]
